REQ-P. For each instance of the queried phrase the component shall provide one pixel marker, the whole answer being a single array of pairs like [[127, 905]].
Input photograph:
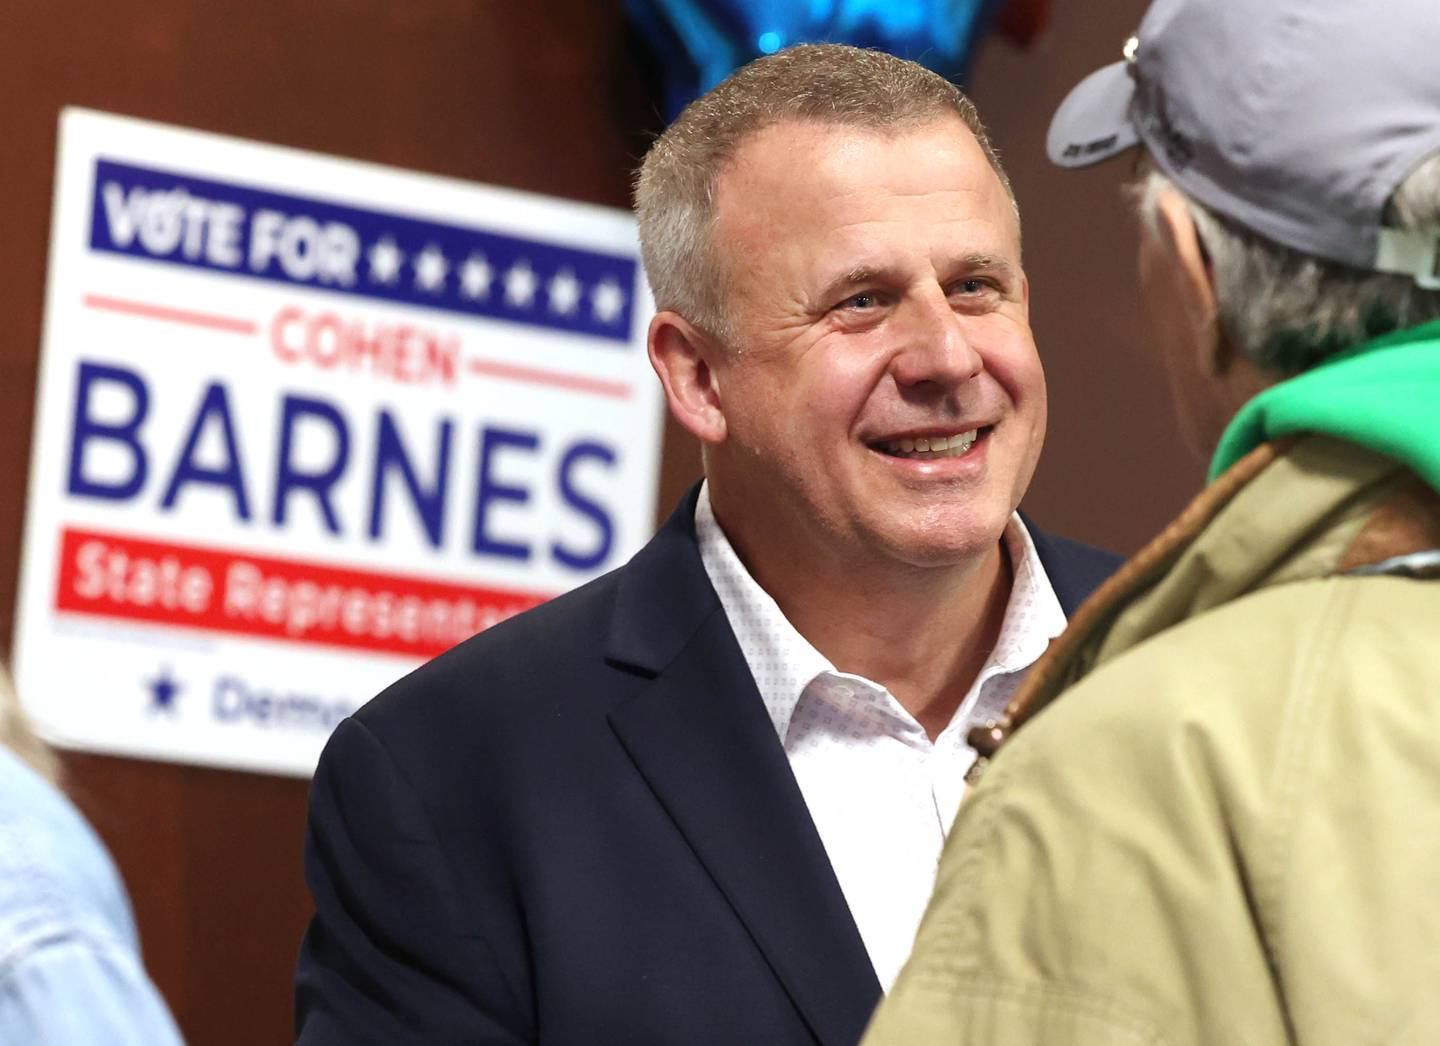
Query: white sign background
[[504, 326]]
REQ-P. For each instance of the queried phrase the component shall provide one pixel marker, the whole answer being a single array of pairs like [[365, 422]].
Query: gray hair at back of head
[[18, 737], [822, 83], [1287, 311]]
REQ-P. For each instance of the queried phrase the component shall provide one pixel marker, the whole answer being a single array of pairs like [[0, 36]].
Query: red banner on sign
[[223, 590]]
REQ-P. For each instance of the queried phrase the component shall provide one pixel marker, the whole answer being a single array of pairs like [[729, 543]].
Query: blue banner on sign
[[304, 242]]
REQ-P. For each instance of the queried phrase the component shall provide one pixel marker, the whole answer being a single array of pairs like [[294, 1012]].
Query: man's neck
[[922, 633]]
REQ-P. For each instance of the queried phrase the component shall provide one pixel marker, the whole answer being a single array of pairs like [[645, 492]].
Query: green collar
[[1384, 395]]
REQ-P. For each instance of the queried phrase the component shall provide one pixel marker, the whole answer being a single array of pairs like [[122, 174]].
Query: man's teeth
[[933, 447]]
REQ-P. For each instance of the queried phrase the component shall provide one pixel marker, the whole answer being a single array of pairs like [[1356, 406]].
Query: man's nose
[[934, 347]]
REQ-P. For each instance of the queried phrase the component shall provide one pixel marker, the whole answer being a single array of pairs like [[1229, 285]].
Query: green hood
[[1384, 395]]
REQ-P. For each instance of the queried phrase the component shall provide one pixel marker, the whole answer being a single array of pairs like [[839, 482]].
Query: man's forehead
[[781, 140], [795, 167], [850, 186]]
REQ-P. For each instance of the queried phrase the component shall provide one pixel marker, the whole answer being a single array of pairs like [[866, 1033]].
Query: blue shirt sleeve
[[70, 968], [75, 988]]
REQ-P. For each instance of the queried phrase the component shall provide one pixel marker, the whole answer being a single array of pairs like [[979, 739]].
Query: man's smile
[[932, 445]]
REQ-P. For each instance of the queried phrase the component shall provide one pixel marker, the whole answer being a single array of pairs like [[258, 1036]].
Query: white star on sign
[[475, 277], [607, 301], [564, 291], [385, 261], [520, 285], [430, 269]]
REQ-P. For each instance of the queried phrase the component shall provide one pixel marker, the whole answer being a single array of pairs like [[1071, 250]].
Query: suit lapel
[[699, 735]]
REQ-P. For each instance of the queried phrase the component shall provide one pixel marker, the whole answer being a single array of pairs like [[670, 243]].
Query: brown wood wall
[[537, 96]]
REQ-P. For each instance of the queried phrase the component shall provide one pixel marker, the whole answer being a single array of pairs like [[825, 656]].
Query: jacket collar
[[698, 733], [1074, 570], [663, 596], [1290, 510]]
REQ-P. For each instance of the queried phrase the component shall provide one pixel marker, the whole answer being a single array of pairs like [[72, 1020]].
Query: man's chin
[[943, 545]]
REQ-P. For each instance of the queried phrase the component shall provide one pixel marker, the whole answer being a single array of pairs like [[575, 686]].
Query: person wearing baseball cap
[[1212, 812]]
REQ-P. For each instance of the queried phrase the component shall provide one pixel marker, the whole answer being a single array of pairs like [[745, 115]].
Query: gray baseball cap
[[1296, 118]]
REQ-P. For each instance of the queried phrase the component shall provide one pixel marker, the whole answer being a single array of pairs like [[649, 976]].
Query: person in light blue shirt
[[70, 969]]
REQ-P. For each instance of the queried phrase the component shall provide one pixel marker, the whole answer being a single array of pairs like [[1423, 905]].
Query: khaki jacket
[[1228, 831]]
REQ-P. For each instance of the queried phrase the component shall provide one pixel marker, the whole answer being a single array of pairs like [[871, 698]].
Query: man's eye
[[974, 286], [860, 301]]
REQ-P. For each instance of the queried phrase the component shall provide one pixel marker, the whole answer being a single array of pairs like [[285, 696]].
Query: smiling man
[[702, 799]]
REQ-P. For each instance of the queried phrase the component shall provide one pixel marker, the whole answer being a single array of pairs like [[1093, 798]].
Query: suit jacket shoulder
[[577, 826]]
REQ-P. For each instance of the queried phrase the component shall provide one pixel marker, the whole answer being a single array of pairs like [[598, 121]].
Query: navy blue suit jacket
[[580, 827]]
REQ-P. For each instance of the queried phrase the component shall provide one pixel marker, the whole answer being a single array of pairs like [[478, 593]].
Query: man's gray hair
[[821, 83], [1286, 310]]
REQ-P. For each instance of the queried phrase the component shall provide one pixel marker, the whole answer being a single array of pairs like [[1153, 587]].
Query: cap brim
[[1093, 123]]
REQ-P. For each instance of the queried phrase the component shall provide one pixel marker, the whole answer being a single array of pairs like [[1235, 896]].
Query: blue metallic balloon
[[700, 42]]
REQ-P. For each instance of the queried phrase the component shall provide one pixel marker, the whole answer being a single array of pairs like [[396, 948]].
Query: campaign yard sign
[[303, 423]]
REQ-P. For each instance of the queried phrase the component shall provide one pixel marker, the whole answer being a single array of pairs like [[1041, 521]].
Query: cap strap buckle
[[1411, 252]]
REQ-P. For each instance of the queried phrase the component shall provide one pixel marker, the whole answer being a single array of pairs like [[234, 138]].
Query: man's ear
[[1196, 281], [682, 356]]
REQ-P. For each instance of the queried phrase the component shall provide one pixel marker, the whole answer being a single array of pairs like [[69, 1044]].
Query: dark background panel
[[545, 97]]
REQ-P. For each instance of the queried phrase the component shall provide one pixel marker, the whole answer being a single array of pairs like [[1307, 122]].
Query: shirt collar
[[1033, 616], [783, 662]]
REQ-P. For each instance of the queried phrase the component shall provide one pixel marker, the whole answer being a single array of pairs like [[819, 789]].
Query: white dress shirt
[[881, 793]]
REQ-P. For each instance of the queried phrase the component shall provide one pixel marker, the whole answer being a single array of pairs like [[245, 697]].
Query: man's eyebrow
[[988, 263], [860, 274]]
